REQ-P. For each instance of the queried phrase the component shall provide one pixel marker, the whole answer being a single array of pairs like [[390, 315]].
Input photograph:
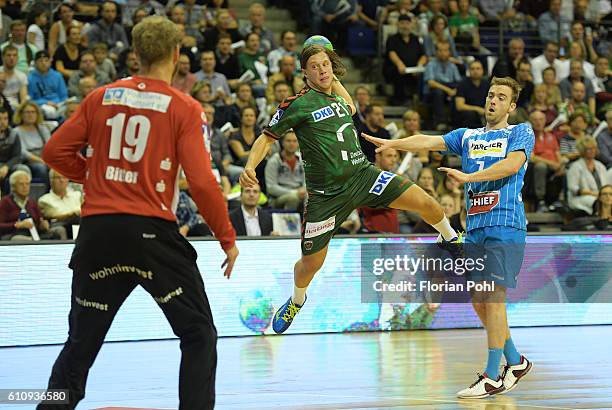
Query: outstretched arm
[[414, 143], [502, 169], [258, 151]]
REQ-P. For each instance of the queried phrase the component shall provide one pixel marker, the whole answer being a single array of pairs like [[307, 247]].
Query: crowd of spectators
[[54, 55]]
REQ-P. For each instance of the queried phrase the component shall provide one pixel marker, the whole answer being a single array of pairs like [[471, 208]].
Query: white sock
[[445, 229], [299, 295]]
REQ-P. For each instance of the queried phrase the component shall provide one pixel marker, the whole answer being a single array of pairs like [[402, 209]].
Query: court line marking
[[466, 401]]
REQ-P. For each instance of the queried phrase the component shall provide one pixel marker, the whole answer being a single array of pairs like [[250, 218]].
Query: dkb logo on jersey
[[482, 148], [381, 182], [483, 202], [276, 117], [323, 113]]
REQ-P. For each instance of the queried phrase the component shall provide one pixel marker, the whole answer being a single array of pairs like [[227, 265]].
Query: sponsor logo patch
[[481, 148], [136, 99], [381, 183], [308, 245], [276, 117], [323, 113], [314, 229], [483, 202]]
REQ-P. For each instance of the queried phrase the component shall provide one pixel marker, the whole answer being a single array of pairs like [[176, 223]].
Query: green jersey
[[329, 141]]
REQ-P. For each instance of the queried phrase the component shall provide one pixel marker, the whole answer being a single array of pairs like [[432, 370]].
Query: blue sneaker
[[284, 316]]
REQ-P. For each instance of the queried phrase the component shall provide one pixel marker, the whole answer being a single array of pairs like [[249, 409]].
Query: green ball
[[319, 40]]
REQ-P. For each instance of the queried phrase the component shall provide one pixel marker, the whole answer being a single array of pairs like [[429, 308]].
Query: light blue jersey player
[[494, 161]]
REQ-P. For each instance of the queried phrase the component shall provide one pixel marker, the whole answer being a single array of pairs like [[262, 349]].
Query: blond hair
[[410, 114], [510, 83], [155, 39], [584, 143], [18, 116]]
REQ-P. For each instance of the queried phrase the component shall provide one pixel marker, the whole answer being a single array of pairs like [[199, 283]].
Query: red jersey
[[137, 133]]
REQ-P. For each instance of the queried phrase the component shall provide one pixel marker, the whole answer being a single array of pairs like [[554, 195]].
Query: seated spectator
[[188, 45], [367, 13], [218, 83], [383, 220], [568, 144], [331, 19], [242, 141], [37, 21], [547, 59], [202, 92], [287, 75], [103, 62], [108, 30], [190, 222], [471, 96], [10, 150], [576, 53], [281, 92], [432, 9], [46, 86], [224, 24], [87, 69], [249, 219], [25, 51], [177, 15], [603, 208], [183, 78], [373, 125], [251, 54], [494, 11], [62, 205], [86, 85], [33, 136], [523, 77], [148, 7], [361, 100], [132, 65], [507, 65], [551, 25], [285, 183], [585, 41], [59, 32], [539, 102], [441, 79], [402, 7], [195, 15], [219, 148], [288, 47], [4, 102], [403, 50], [411, 125], [71, 107], [426, 181], [604, 142], [602, 84], [545, 171], [438, 32], [553, 91], [16, 89], [257, 15], [19, 213], [464, 28], [585, 177], [450, 187], [227, 61], [576, 103], [68, 55]]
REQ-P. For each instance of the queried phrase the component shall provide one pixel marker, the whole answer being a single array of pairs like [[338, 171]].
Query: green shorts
[[324, 214]]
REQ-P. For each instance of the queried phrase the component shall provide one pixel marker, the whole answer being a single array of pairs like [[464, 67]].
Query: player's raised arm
[[258, 152], [417, 142], [339, 89]]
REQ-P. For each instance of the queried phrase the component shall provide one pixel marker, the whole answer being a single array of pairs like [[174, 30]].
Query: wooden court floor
[[396, 370]]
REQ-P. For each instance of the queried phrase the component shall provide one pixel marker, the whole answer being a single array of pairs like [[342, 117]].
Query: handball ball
[[319, 40]]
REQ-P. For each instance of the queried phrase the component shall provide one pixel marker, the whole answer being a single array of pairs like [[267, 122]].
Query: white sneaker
[[512, 374], [483, 387]]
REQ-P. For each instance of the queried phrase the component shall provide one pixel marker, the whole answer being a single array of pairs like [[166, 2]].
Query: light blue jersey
[[492, 203]]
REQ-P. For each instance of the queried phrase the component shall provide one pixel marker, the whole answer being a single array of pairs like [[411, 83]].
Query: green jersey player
[[339, 178]]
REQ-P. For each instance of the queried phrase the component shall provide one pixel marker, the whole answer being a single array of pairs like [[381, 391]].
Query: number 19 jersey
[[499, 202], [329, 141]]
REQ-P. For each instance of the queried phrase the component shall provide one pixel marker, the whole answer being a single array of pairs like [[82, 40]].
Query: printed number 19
[[136, 136]]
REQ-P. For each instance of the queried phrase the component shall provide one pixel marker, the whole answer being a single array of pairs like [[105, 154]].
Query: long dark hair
[[598, 205], [337, 65]]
